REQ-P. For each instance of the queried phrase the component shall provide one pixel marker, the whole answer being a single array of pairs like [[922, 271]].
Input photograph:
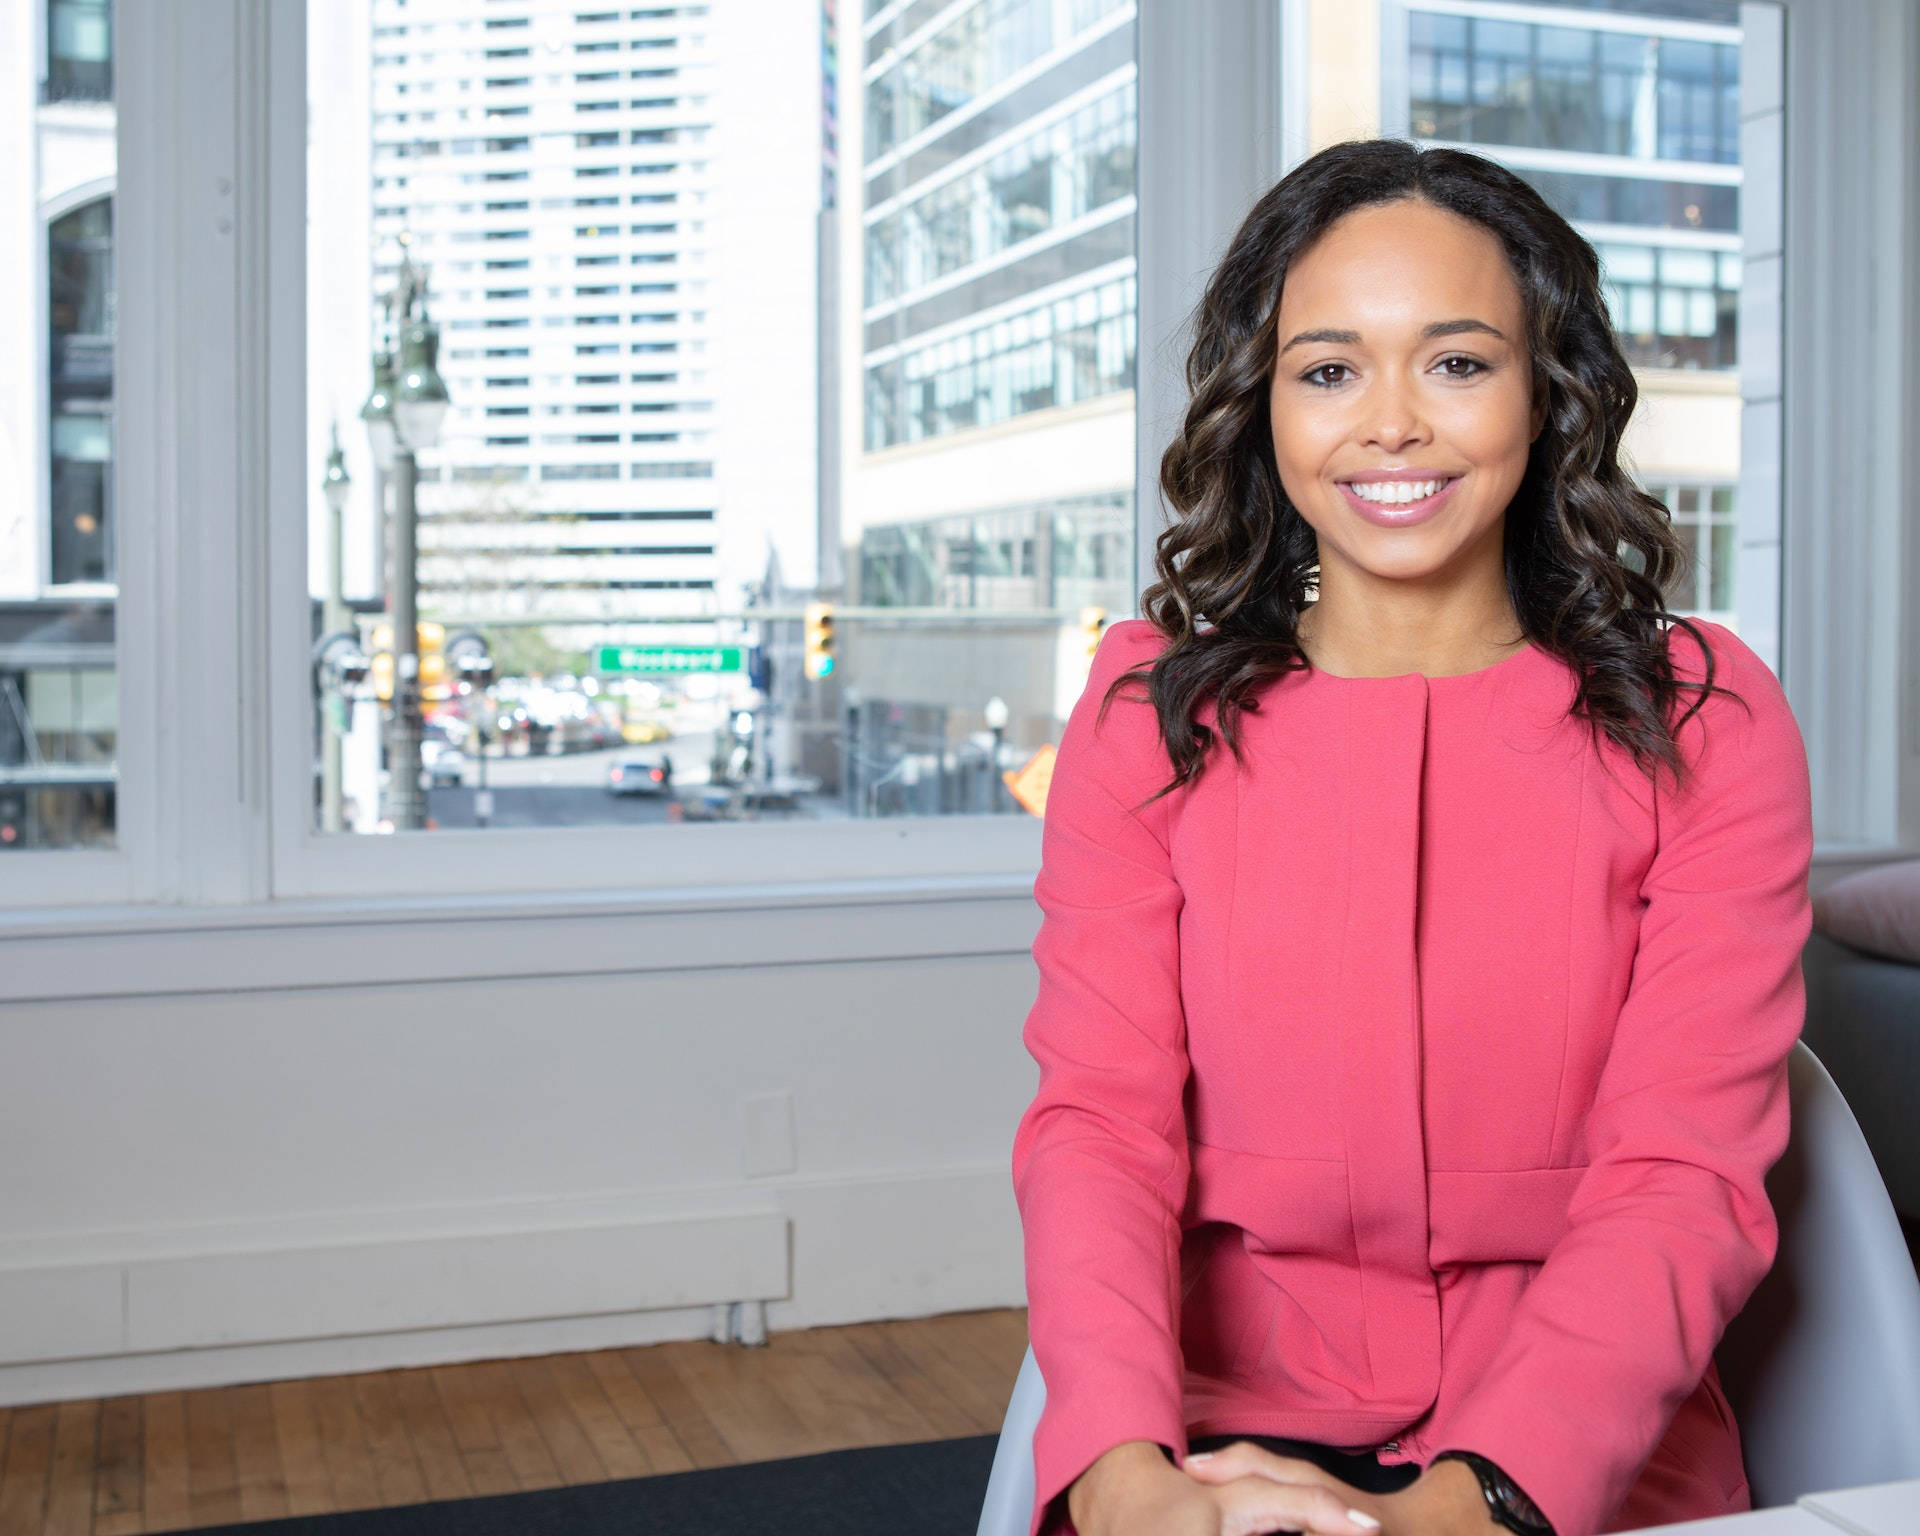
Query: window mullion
[[195, 195]]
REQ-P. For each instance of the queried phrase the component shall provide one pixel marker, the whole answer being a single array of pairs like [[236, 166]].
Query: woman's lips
[[1400, 514]]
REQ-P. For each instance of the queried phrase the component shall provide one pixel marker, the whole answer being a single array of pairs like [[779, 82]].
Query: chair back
[[1008, 1509], [1821, 1367]]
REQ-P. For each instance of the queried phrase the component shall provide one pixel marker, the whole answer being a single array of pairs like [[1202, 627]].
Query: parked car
[[444, 766], [640, 776]]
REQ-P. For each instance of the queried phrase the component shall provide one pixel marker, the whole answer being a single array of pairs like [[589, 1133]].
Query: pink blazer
[[1412, 1085]]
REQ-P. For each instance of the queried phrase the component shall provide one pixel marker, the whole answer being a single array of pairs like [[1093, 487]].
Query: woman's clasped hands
[[1245, 1490]]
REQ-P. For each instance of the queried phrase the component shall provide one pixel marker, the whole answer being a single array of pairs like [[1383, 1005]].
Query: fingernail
[[1200, 1456], [1362, 1519]]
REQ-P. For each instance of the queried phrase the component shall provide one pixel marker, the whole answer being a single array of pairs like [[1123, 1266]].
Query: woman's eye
[[1314, 375], [1473, 364]]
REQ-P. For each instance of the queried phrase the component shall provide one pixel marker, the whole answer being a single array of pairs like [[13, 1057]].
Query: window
[[80, 305], [79, 50], [60, 722]]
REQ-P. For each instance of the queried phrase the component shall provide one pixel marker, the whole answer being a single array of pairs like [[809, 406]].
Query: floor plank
[[168, 1461], [573, 1453], [116, 1487], [520, 1437], [26, 1471], [76, 1456], [883, 1354], [481, 1456], [303, 1460], [427, 1428], [396, 1471], [705, 1446], [830, 1383], [598, 1419], [213, 1481], [729, 1385], [665, 1452], [256, 1455], [163, 1486], [959, 1382], [343, 1441]]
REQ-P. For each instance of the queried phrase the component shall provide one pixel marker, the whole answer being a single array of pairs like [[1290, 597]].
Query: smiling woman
[[1408, 1080]]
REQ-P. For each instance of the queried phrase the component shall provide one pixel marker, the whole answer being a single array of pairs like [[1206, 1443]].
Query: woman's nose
[[1391, 417]]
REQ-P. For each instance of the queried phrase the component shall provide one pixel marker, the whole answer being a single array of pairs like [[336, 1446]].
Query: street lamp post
[[334, 485], [407, 414], [997, 714], [470, 657]]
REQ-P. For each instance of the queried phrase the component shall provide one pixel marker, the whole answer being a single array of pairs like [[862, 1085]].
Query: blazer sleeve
[[1100, 1160], [1670, 1227]]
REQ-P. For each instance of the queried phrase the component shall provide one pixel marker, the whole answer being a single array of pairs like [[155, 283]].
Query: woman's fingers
[[1255, 1506], [1245, 1459]]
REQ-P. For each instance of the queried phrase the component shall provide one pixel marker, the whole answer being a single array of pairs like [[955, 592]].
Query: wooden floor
[[166, 1461]]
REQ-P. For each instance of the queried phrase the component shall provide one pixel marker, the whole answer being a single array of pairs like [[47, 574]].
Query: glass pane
[[59, 709], [1720, 598], [679, 418], [1658, 87]]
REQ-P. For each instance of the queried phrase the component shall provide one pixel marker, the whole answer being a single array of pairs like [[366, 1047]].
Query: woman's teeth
[[1390, 492]]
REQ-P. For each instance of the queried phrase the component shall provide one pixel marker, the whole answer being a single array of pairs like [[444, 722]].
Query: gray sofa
[[1863, 1018]]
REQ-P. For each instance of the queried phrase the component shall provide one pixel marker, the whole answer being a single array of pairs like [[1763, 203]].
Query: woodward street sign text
[[670, 658]]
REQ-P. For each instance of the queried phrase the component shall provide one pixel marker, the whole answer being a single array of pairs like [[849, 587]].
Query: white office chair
[[1822, 1366]]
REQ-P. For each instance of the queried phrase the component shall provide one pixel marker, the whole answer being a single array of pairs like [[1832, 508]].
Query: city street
[[571, 790]]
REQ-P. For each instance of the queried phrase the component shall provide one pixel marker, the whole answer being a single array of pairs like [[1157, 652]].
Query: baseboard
[[107, 1314]]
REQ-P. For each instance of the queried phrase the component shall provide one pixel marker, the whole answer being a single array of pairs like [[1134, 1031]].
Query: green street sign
[[670, 658]]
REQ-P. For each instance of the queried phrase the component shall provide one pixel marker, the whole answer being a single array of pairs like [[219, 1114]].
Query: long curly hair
[[1588, 553]]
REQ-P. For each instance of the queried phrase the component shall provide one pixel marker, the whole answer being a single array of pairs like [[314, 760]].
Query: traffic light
[[1092, 622], [428, 643], [819, 640]]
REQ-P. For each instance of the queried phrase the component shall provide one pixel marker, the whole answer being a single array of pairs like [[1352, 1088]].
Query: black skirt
[[1360, 1469]]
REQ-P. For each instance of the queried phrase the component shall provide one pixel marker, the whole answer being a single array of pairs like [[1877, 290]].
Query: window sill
[[142, 951]]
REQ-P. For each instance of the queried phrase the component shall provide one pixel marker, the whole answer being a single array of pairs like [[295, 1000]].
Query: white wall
[[229, 1164]]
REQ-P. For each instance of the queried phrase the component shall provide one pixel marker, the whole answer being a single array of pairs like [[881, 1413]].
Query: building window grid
[[1076, 348], [966, 58], [1673, 306], [1706, 518], [1066, 553], [1062, 172], [1487, 80]]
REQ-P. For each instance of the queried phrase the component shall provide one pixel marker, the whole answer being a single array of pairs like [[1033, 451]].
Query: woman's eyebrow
[[1436, 328]]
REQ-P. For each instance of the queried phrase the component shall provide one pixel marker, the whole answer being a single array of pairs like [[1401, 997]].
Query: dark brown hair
[[1588, 553]]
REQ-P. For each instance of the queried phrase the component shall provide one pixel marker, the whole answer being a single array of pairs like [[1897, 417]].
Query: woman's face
[[1402, 357]]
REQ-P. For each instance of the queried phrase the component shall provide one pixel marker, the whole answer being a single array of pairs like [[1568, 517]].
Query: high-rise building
[[617, 209], [992, 306], [59, 715]]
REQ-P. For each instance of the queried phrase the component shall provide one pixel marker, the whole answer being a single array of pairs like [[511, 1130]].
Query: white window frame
[[210, 219]]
